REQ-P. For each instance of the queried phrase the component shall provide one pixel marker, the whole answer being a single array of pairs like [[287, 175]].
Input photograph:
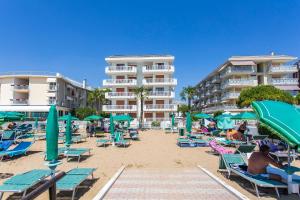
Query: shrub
[[155, 124], [81, 113]]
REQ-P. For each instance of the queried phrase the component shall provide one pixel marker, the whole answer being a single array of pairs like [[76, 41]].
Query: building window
[[52, 86], [52, 100]]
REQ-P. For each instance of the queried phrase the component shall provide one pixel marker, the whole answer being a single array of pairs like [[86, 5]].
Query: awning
[[282, 117], [242, 63]]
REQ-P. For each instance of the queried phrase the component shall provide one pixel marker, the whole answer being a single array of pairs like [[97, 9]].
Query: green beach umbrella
[[9, 117], [65, 118], [202, 116], [223, 116], [111, 124], [225, 123], [36, 123], [173, 120], [52, 135], [245, 116], [93, 118], [122, 118], [69, 131], [188, 122]]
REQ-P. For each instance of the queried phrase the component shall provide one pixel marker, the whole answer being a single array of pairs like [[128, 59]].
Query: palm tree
[[188, 93], [96, 98], [141, 94]]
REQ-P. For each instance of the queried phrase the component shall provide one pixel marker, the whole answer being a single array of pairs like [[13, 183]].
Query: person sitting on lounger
[[233, 135], [259, 162], [203, 129]]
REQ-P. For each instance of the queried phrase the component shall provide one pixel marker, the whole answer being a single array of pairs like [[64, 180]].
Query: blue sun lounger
[[20, 149], [73, 178], [20, 183]]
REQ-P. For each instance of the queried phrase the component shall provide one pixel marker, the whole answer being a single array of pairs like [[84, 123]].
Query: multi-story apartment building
[[154, 72], [221, 88], [34, 92]]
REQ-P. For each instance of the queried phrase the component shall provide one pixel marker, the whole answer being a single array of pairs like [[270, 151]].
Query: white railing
[[159, 68], [283, 69], [119, 95], [171, 107], [284, 81], [161, 94], [158, 119], [109, 82], [230, 95], [119, 108], [149, 81], [239, 82], [221, 107], [21, 87], [216, 89], [215, 79], [120, 69], [20, 101], [238, 70]]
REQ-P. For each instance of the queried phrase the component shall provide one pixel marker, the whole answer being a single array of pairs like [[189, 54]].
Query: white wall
[[38, 89], [6, 93]]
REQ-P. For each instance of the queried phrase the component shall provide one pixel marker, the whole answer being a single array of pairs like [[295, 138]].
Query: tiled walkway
[[178, 184]]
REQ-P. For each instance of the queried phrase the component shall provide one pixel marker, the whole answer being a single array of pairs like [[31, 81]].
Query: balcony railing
[[161, 107], [160, 81], [283, 69], [21, 87], [111, 82], [215, 79], [230, 95], [158, 68], [161, 94], [237, 70], [216, 89], [284, 81], [120, 69], [120, 108], [116, 95], [20, 101], [239, 82], [221, 107]]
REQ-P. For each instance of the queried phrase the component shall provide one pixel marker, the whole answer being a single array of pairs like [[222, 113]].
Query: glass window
[[52, 100], [52, 86]]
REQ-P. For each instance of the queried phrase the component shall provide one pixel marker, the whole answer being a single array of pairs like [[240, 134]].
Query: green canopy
[[225, 122], [111, 124], [93, 118], [202, 116], [13, 113], [245, 116], [282, 117], [65, 118], [122, 118], [188, 122], [69, 131], [223, 116], [52, 135], [9, 117]]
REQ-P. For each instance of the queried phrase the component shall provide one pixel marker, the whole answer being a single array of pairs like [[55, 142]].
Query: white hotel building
[[221, 88], [34, 92], [152, 71]]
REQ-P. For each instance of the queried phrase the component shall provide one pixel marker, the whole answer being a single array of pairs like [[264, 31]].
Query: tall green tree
[[188, 94], [263, 92], [96, 98], [141, 94]]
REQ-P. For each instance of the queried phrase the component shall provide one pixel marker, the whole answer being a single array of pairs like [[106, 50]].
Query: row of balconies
[[133, 82], [212, 109], [131, 95], [133, 108], [133, 70]]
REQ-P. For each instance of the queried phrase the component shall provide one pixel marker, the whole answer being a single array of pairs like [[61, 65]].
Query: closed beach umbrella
[[245, 116], [173, 120], [188, 122], [202, 116], [111, 124], [93, 118], [36, 123], [69, 131], [52, 135]]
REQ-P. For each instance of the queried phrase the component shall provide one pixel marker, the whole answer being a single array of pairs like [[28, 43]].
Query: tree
[[297, 99], [188, 93], [183, 109], [141, 93], [263, 92], [96, 98], [81, 113], [217, 113]]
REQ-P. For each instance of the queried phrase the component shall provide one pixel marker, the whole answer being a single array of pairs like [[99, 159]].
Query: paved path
[[175, 184]]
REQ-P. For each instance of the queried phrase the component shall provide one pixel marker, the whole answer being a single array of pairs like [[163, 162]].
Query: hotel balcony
[[202, 95], [237, 70], [158, 69], [226, 108], [216, 89], [239, 83], [284, 81], [120, 70], [161, 94], [230, 95], [119, 108], [119, 82], [19, 101], [160, 81], [283, 69], [208, 93], [119, 95], [161, 107], [215, 100], [21, 88], [215, 79]]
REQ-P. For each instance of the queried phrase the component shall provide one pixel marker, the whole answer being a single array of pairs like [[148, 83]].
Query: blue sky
[[74, 36]]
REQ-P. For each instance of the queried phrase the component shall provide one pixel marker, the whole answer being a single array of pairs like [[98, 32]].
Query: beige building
[[221, 88], [34, 92], [152, 71]]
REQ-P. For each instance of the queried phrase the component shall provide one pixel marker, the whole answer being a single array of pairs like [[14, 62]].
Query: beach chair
[[184, 142], [20, 149], [133, 133], [199, 142], [231, 163], [168, 130], [103, 142], [120, 141], [8, 135], [4, 145], [73, 178], [245, 148], [76, 152], [22, 182], [218, 149]]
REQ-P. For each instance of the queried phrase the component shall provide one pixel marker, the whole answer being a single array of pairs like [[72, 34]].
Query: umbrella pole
[[290, 177]]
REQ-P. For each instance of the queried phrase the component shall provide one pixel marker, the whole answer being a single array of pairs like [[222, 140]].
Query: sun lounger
[[22, 182], [76, 152], [199, 142], [4, 145], [183, 142], [245, 148], [231, 163], [8, 135], [120, 141], [218, 149], [103, 142], [73, 178], [259, 137], [168, 130], [20, 149]]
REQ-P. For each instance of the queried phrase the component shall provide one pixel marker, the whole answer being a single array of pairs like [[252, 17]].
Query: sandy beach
[[155, 150]]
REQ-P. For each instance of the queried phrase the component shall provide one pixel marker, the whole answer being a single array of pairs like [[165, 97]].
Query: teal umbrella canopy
[[281, 117], [122, 118], [202, 116], [9, 117], [188, 124], [69, 131], [93, 118], [245, 116], [52, 135], [223, 116], [65, 118], [225, 123]]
